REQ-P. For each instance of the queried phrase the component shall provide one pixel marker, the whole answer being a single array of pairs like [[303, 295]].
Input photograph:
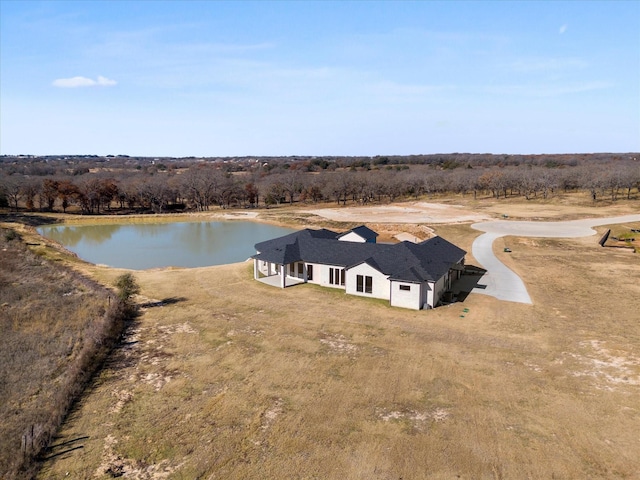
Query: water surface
[[153, 245]]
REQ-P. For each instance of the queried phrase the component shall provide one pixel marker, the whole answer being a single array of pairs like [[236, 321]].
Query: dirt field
[[411, 212], [226, 378]]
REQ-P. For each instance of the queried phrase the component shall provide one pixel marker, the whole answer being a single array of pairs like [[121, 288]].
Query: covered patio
[[276, 281], [278, 275]]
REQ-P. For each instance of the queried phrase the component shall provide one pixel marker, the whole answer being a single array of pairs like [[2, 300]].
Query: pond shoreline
[[182, 243]]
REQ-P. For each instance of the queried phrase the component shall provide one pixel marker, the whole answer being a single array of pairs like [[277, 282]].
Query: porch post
[[283, 276], [255, 269]]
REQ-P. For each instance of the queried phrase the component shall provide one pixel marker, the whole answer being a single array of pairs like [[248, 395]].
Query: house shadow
[[467, 282]]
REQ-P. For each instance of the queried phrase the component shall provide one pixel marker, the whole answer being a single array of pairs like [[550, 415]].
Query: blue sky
[[213, 78]]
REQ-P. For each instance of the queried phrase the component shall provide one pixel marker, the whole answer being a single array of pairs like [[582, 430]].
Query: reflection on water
[[71, 236], [141, 246]]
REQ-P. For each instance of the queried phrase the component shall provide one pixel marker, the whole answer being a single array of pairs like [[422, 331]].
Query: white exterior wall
[[317, 273], [406, 299], [352, 237], [263, 268], [437, 289], [380, 282], [321, 275], [425, 295]]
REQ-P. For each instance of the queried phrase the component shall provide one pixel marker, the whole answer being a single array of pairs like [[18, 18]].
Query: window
[[405, 287], [336, 276], [368, 285], [300, 269], [309, 272], [364, 284]]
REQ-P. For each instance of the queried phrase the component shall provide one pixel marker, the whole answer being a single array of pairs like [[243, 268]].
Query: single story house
[[409, 275]]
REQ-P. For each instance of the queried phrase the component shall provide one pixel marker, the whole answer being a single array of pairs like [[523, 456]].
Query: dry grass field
[[55, 327], [226, 378]]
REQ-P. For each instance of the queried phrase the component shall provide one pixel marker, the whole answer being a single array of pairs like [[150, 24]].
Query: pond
[[153, 245]]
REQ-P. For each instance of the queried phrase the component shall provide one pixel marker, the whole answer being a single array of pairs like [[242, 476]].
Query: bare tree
[[201, 186], [631, 179], [313, 190], [13, 190], [49, 193], [493, 181], [291, 182], [30, 190], [593, 181], [154, 193], [339, 186], [67, 193], [275, 192], [548, 181]]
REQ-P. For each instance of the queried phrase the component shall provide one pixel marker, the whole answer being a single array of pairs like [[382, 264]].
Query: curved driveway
[[501, 282]]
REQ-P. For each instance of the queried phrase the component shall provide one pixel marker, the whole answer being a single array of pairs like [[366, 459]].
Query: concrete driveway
[[501, 282]]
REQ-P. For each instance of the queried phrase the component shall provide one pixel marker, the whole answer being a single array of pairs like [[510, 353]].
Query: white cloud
[[75, 82], [563, 29]]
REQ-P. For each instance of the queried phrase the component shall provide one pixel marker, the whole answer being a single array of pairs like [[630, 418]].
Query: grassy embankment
[[56, 327], [234, 379]]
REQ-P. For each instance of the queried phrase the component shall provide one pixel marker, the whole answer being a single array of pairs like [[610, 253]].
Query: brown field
[[56, 328], [231, 379]]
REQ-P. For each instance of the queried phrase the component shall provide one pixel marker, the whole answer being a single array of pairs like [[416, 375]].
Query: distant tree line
[[94, 185]]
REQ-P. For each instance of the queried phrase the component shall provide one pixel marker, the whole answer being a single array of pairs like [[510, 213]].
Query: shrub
[[127, 287], [10, 235]]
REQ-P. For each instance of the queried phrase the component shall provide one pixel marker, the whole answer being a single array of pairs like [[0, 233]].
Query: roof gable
[[362, 231]]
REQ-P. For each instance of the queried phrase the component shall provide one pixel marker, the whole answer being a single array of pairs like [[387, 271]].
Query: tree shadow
[[55, 450], [164, 302], [68, 450], [68, 442], [26, 219]]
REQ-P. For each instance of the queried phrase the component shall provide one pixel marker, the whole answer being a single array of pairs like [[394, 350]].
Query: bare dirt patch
[[114, 465], [338, 344], [411, 212], [417, 419], [607, 368]]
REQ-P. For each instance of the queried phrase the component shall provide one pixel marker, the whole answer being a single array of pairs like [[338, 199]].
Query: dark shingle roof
[[428, 260], [406, 261], [290, 238], [364, 232]]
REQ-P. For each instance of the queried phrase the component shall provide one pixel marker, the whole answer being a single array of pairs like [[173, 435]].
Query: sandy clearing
[[239, 215], [414, 212]]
